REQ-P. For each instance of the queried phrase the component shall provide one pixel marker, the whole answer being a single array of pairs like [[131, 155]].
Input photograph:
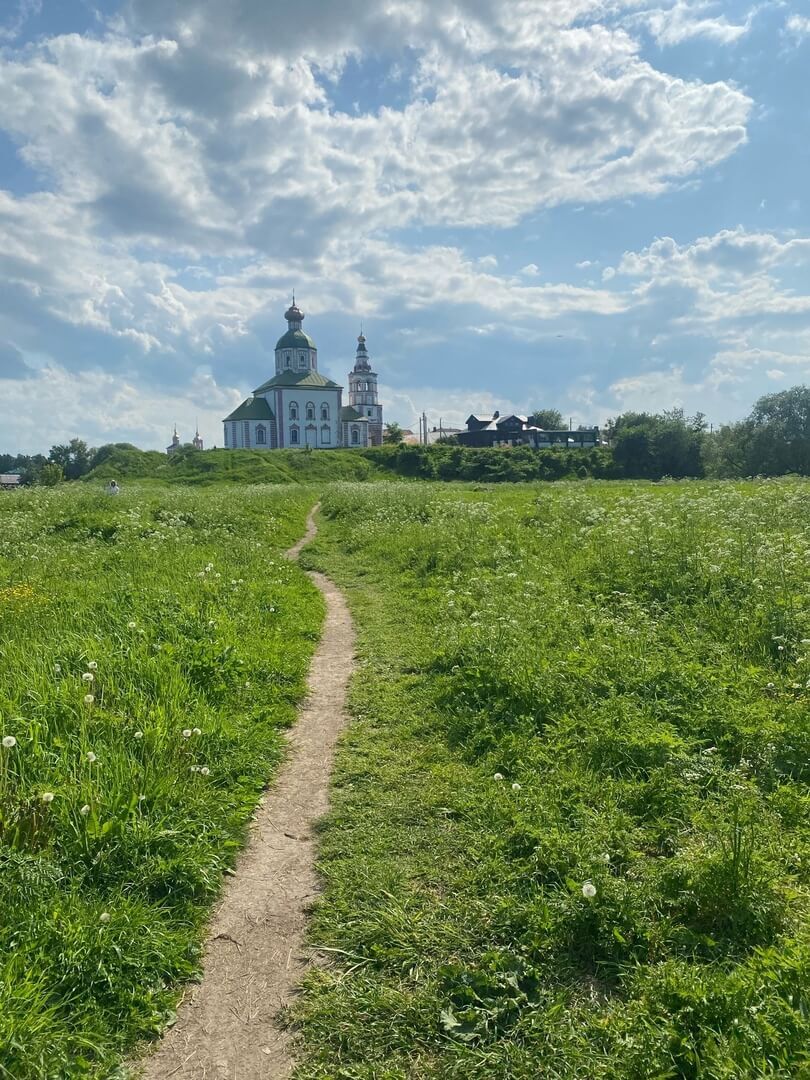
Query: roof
[[350, 413], [297, 378], [295, 339], [252, 408]]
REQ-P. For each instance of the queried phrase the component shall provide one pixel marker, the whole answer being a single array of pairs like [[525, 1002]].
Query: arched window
[[293, 410], [310, 410], [261, 435], [288, 361], [355, 436], [324, 411], [302, 361], [294, 436], [326, 435]]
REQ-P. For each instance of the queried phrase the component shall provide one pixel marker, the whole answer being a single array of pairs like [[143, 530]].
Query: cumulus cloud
[[685, 19], [797, 27]]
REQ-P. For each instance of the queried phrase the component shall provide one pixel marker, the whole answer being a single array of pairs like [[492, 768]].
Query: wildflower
[[589, 890], [498, 776], [187, 733], [9, 742], [91, 757], [205, 770], [57, 669], [89, 699], [85, 810], [88, 676], [516, 786], [196, 731], [769, 686], [92, 665], [47, 796], [195, 768], [141, 798], [138, 735], [104, 917], [131, 625]]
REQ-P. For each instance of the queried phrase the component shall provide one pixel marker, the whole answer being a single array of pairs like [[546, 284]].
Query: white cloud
[[530, 270], [798, 27], [686, 19]]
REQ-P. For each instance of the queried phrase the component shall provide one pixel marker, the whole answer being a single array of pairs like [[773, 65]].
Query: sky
[[593, 205]]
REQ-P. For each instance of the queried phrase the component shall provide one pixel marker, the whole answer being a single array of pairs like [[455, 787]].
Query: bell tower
[[363, 393]]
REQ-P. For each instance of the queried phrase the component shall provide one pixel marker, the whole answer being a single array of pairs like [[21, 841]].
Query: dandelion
[[9, 742], [204, 771], [131, 625], [138, 735], [57, 669], [516, 786], [498, 776], [589, 890], [195, 768], [769, 686], [85, 810], [91, 757], [104, 917], [196, 731], [89, 699], [88, 676], [187, 733], [92, 665], [47, 796]]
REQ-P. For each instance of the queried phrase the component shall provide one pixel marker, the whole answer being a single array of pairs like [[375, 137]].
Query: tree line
[[772, 441]]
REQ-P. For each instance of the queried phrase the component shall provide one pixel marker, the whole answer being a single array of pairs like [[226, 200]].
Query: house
[[9, 480], [515, 430]]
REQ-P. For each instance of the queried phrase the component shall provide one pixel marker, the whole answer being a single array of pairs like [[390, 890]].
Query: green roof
[[295, 339], [349, 413], [252, 408], [297, 378]]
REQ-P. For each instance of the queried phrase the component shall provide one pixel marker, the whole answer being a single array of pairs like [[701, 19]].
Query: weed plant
[[571, 825], [153, 646]]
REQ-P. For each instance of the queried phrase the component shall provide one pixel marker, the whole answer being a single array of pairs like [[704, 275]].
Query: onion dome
[[361, 362], [294, 313]]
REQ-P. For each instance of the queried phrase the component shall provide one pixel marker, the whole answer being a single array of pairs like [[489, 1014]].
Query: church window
[[324, 412], [288, 361], [246, 432], [355, 436], [302, 361], [293, 410], [226, 434], [261, 435], [310, 411], [294, 436], [326, 435]]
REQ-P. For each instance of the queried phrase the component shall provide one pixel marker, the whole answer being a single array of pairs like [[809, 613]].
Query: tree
[[50, 474], [74, 458], [547, 419], [393, 434]]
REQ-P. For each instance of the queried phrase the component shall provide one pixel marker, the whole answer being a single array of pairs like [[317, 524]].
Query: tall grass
[[152, 647], [571, 833]]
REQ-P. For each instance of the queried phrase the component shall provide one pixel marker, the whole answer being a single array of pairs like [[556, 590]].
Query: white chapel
[[299, 407]]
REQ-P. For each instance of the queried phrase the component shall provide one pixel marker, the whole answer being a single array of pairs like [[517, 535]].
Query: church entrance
[[311, 436]]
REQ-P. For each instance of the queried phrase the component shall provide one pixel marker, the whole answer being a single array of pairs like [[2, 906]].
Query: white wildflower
[[88, 676], [138, 735], [92, 665], [89, 699], [516, 786], [498, 776], [589, 890], [205, 770], [104, 917], [187, 733], [85, 810], [131, 625], [9, 742], [91, 757], [196, 731], [47, 796]]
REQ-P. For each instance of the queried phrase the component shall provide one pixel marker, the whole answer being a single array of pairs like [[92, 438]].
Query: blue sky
[[597, 205]]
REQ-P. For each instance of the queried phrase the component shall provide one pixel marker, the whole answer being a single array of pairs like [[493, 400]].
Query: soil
[[228, 1026]]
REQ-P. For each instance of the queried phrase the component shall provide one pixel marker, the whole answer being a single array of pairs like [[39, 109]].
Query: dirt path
[[226, 1028]]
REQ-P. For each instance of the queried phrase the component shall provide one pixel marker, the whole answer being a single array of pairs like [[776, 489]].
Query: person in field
[[113, 488]]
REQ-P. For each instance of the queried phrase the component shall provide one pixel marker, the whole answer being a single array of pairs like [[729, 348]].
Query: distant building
[[174, 445], [299, 407], [9, 480], [197, 442], [515, 430]]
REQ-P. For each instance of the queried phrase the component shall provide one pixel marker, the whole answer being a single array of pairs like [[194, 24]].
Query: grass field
[[152, 647], [571, 825]]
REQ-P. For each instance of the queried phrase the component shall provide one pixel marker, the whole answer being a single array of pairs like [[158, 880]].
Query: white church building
[[299, 407]]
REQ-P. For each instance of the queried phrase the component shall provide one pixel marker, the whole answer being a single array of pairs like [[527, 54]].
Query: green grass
[[562, 688], [118, 815]]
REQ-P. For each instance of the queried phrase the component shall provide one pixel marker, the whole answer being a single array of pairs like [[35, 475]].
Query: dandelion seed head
[[131, 625], [47, 796], [104, 917], [89, 699], [88, 676], [196, 731], [57, 669], [9, 742], [498, 776], [85, 810], [138, 735], [516, 786], [91, 757], [205, 770], [92, 665], [187, 733], [589, 890]]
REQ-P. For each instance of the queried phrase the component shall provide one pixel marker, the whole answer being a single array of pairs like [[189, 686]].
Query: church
[[299, 407]]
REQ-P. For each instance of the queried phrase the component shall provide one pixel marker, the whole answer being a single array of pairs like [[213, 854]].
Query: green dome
[[295, 339]]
